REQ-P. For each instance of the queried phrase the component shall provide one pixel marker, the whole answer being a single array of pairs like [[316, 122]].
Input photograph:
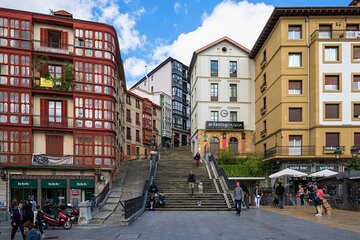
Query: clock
[[224, 113]]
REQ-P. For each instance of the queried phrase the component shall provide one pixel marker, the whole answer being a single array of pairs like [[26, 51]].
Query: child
[[201, 187]]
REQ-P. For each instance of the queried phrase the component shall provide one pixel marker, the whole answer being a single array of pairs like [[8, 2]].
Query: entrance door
[[214, 145], [295, 145], [183, 140], [233, 145]]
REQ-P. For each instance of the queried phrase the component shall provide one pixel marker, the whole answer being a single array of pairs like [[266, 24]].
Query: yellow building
[[308, 87]]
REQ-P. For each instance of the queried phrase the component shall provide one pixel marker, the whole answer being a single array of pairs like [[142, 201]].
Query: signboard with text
[[305, 168], [332, 167], [224, 125]]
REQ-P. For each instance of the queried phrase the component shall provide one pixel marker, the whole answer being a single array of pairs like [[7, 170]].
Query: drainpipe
[[308, 73]]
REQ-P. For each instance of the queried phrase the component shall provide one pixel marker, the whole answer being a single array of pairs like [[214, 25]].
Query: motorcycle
[[72, 212], [63, 221]]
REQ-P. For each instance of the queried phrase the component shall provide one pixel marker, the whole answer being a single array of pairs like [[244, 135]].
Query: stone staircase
[[171, 178]]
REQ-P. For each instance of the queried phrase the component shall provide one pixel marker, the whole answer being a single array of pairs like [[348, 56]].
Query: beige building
[[308, 87]]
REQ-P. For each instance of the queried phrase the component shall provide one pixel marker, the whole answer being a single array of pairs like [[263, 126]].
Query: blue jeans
[[238, 206]]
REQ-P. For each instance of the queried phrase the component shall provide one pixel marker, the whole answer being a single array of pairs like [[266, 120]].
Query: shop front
[[54, 191], [294, 182], [21, 189], [81, 190]]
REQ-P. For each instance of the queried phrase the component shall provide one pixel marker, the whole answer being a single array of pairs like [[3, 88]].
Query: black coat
[[16, 216]]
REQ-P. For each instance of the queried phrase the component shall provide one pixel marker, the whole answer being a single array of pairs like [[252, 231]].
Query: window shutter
[[356, 51], [44, 112], [332, 139], [64, 40], [64, 113], [43, 37], [332, 80], [357, 139], [44, 72]]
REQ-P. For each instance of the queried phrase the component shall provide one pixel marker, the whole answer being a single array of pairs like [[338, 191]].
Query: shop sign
[[82, 183], [23, 183], [224, 125], [53, 183], [332, 167], [306, 168]]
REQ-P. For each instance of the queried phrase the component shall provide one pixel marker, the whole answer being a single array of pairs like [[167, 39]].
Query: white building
[[222, 98]]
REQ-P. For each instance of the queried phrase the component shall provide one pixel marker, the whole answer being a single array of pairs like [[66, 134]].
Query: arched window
[[233, 145], [214, 145]]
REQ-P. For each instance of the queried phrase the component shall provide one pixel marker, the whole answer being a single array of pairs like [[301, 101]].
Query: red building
[[147, 122], [61, 97]]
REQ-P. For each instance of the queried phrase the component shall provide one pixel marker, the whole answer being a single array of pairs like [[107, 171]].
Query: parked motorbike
[[71, 212], [63, 221]]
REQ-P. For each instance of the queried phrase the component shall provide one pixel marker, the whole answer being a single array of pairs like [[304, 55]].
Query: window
[[53, 38], [295, 114], [128, 100], [294, 60], [14, 107], [352, 31], [357, 139], [128, 133], [214, 116], [53, 113], [356, 84], [55, 72], [295, 87], [233, 92], [332, 140], [233, 116], [154, 111], [137, 104], [128, 115], [332, 110], [331, 54], [13, 141], [128, 150], [356, 53], [54, 145], [214, 68], [137, 135], [233, 69], [137, 119], [294, 32], [325, 31], [332, 83], [137, 151], [214, 91], [295, 145], [356, 110], [154, 125]]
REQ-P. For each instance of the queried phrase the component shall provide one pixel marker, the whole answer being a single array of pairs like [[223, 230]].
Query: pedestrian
[[48, 207], [238, 196], [33, 203], [301, 194], [38, 220], [318, 201], [258, 193], [17, 221], [191, 180], [279, 191], [201, 187], [28, 213], [197, 159], [30, 232]]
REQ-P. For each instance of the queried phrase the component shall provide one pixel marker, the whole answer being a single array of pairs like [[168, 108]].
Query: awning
[[23, 183], [53, 183]]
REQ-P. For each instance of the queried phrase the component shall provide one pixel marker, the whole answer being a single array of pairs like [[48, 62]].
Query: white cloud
[[178, 7], [241, 21], [136, 68]]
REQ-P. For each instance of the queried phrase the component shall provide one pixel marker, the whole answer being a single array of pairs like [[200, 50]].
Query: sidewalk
[[348, 220]]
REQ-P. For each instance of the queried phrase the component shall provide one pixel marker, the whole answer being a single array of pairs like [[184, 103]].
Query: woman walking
[[258, 195], [301, 194]]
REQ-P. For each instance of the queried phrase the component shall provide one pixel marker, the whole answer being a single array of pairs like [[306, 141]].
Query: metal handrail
[[99, 199]]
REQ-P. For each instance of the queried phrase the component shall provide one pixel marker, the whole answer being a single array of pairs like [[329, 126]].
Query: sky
[[150, 31]]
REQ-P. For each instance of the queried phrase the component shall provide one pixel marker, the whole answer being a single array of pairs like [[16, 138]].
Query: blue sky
[[151, 30]]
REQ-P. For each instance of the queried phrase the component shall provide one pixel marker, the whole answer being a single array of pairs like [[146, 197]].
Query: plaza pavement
[[265, 224]]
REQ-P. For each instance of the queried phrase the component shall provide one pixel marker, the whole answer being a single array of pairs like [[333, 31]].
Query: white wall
[[346, 96]]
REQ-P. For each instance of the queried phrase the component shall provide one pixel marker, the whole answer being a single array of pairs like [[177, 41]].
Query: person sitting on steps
[[161, 199]]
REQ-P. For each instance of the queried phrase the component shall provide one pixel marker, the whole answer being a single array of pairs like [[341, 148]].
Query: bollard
[[85, 216]]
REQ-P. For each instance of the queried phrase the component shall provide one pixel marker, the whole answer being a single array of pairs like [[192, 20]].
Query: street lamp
[[354, 155], [337, 153]]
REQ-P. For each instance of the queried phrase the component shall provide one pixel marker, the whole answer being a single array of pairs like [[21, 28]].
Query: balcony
[[233, 99], [263, 110], [52, 121], [53, 47], [263, 133], [214, 98], [335, 34], [289, 151], [331, 149], [263, 87], [42, 83]]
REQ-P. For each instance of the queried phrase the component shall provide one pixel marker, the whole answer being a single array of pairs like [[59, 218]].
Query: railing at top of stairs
[[99, 200], [135, 206]]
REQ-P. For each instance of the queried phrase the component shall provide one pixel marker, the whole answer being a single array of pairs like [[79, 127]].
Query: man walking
[[191, 182], [279, 191], [18, 221], [238, 196]]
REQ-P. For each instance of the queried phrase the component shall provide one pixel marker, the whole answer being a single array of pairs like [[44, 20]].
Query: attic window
[[224, 49]]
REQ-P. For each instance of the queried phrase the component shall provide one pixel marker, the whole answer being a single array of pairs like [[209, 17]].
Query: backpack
[[40, 215]]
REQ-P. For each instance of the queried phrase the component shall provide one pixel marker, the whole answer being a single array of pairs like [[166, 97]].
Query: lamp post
[[354, 156]]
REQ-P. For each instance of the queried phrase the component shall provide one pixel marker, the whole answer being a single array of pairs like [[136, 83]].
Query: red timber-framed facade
[[62, 90]]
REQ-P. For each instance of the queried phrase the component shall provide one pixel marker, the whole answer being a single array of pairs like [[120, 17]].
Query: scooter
[[63, 221], [71, 212]]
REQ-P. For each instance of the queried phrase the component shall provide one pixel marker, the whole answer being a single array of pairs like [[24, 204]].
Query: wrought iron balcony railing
[[290, 151]]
